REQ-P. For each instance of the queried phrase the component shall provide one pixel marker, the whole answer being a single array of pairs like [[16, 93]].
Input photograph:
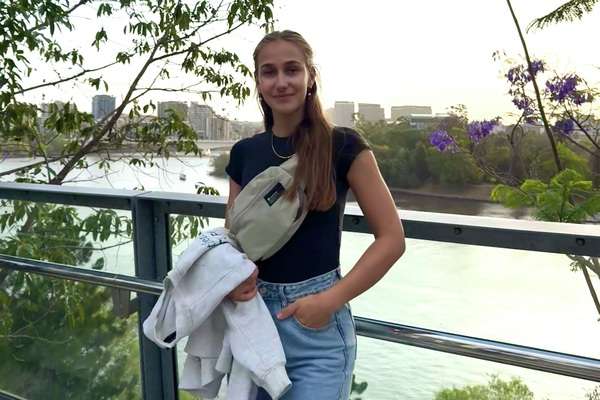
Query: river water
[[514, 296]]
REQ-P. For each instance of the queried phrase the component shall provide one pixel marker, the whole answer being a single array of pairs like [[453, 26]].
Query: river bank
[[479, 193]]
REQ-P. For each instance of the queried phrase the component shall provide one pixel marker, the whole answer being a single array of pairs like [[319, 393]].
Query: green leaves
[[569, 11], [104, 9], [155, 31], [567, 198], [101, 36], [183, 227], [249, 10], [358, 387], [105, 224], [98, 264], [511, 197], [496, 388]]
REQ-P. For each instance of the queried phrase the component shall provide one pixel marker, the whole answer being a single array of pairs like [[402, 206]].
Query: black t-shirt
[[315, 247]]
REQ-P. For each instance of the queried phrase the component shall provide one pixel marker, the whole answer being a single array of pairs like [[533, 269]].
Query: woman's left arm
[[378, 207]]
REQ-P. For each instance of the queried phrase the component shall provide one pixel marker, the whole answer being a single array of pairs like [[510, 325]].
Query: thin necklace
[[275, 151]]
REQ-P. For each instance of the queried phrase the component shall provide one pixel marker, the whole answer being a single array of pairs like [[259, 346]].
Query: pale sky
[[426, 52]]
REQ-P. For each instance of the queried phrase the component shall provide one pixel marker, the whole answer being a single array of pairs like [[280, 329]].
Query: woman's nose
[[281, 82]]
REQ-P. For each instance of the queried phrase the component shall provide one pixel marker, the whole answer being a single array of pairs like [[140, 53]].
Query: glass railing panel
[[61, 339], [522, 297], [184, 229], [83, 237], [394, 371]]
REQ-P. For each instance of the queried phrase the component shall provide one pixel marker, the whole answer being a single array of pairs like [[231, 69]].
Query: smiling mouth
[[283, 96]]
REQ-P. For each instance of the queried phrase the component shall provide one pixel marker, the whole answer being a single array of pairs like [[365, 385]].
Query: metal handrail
[[484, 349], [150, 211], [564, 238], [4, 395]]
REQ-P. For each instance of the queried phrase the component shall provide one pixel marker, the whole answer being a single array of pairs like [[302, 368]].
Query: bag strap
[[290, 164]]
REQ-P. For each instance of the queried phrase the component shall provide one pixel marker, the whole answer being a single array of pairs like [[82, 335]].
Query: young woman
[[301, 283]]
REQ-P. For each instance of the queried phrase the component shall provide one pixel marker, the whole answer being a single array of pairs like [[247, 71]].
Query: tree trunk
[[595, 168]]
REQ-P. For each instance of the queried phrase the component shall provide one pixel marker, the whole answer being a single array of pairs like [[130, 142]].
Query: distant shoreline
[[478, 193], [475, 193]]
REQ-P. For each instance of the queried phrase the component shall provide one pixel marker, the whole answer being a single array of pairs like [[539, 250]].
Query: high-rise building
[[370, 112], [406, 111], [179, 107], [343, 113], [221, 128], [426, 121], [200, 117], [102, 105]]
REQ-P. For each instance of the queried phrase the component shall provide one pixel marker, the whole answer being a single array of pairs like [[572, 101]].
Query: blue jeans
[[319, 361]]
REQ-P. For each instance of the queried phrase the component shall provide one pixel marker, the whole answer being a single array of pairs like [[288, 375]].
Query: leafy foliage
[[60, 334], [218, 165], [406, 161], [496, 389], [358, 387], [64, 337], [568, 12], [594, 394], [160, 36], [567, 198]]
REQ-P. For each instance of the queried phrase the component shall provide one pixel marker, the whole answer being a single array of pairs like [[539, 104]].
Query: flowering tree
[[569, 196]]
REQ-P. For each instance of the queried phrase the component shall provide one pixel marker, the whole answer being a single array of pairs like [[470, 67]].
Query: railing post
[[152, 252]]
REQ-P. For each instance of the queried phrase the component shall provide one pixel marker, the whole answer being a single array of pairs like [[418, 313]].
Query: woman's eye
[[268, 72]]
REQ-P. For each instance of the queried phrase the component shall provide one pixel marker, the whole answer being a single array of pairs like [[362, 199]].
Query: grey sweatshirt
[[224, 337]]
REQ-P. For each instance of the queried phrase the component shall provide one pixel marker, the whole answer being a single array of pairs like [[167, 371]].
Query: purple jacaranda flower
[[564, 88], [565, 127], [537, 66], [580, 98], [519, 75], [441, 140], [480, 129], [524, 104]]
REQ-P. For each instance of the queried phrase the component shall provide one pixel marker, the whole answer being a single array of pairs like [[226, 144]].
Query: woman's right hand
[[246, 290]]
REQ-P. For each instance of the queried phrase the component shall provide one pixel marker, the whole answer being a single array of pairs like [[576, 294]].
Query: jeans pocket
[[311, 329]]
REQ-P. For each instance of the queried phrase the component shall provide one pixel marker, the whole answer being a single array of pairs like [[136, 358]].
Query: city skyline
[[343, 113], [431, 52]]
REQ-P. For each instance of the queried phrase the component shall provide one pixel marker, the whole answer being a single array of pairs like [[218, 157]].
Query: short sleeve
[[235, 165], [350, 144]]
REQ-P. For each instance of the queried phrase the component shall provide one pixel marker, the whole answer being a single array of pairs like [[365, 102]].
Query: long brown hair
[[312, 140]]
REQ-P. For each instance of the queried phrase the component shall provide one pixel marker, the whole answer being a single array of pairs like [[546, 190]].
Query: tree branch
[[590, 286], [91, 248], [54, 83], [582, 147], [585, 132], [29, 166], [183, 90], [176, 53], [34, 338], [569, 11], [536, 89], [85, 149], [69, 11]]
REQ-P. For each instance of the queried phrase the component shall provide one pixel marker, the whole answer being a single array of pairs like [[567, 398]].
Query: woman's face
[[283, 77]]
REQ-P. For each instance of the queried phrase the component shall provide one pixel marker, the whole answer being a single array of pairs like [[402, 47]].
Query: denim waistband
[[289, 292]]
